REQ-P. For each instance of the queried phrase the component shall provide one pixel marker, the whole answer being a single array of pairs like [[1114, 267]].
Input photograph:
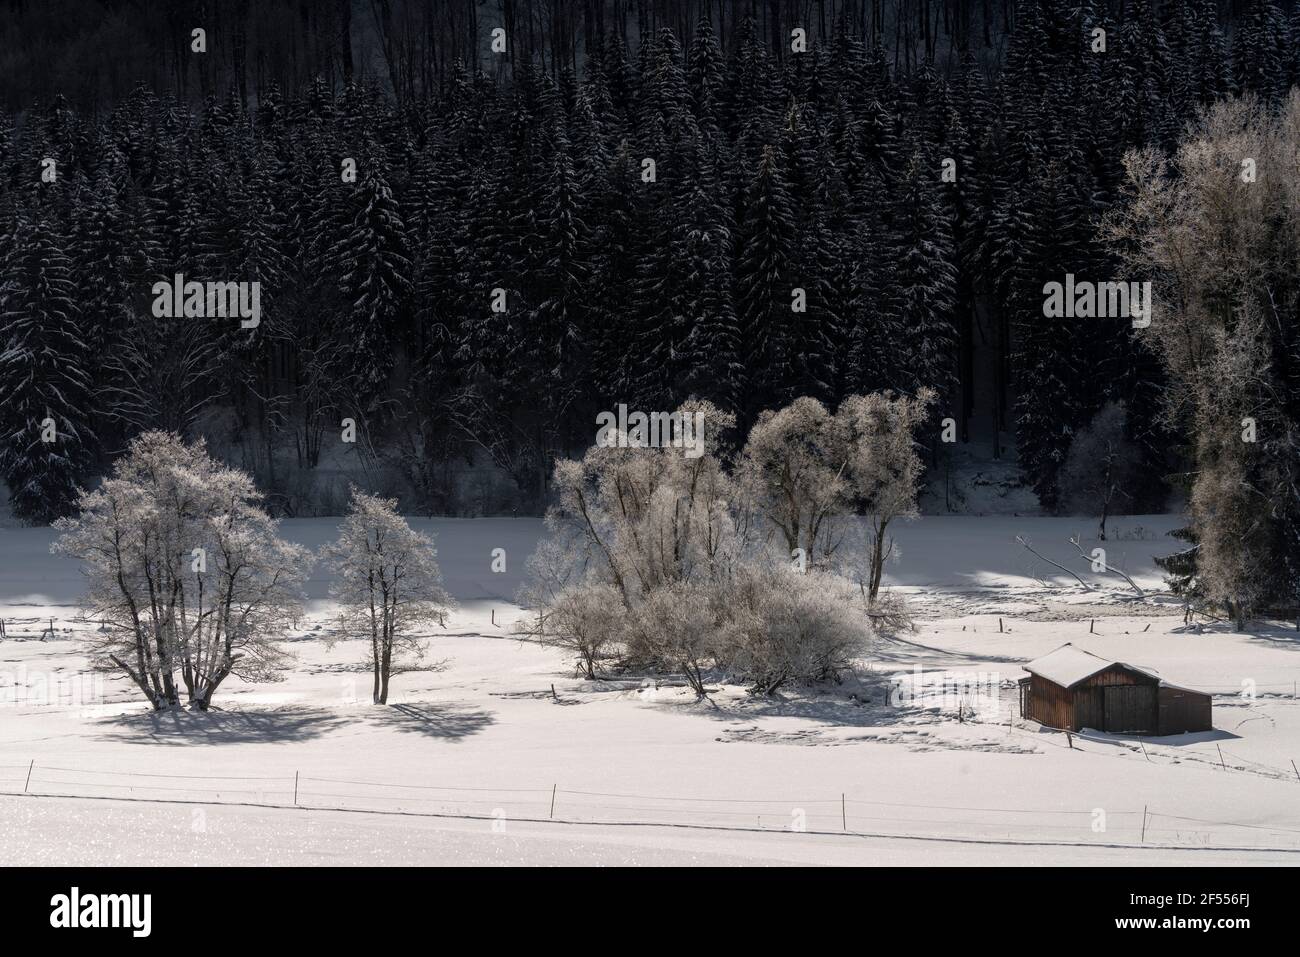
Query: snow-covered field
[[503, 756]]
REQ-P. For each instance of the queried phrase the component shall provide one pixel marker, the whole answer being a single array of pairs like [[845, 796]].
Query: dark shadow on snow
[[448, 721], [217, 727]]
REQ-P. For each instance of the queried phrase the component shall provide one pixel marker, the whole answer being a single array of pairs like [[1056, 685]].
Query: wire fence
[[1135, 748], [825, 814]]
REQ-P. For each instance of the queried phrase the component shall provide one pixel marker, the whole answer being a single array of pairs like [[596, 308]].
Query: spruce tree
[[374, 276], [46, 437], [764, 285]]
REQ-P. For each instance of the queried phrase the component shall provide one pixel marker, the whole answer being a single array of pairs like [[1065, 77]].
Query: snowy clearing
[[621, 771]]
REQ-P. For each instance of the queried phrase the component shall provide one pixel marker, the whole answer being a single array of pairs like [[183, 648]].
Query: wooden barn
[[1071, 689]]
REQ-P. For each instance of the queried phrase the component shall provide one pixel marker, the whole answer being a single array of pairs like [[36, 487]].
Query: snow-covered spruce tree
[[925, 286], [1053, 368], [374, 276], [705, 242], [552, 335], [1260, 50], [817, 330], [185, 571], [764, 282], [46, 442], [1220, 248], [1180, 573], [687, 331], [705, 74], [388, 585]]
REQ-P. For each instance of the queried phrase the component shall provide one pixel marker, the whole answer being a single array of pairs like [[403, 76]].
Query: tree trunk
[[877, 562]]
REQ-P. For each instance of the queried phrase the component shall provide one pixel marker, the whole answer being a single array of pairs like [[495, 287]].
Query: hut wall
[[1135, 712], [1182, 710], [1050, 704]]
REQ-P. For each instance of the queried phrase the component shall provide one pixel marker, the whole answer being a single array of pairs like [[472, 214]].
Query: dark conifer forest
[[561, 206]]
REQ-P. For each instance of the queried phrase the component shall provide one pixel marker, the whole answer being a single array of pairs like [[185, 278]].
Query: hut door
[[1130, 709]]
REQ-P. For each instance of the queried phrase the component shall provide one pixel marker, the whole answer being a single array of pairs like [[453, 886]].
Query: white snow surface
[[504, 757]]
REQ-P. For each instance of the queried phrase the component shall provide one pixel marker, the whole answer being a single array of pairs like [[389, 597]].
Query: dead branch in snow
[[1099, 561], [1021, 540]]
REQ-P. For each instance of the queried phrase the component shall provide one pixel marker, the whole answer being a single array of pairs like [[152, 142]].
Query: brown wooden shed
[[1072, 689]]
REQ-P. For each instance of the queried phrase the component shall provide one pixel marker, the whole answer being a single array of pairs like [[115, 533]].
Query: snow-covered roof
[[1068, 665]]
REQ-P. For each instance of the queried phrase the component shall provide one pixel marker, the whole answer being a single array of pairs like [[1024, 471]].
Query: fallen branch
[[1086, 586], [1097, 561]]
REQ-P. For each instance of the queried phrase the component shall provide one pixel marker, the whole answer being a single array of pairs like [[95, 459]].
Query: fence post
[[1221, 761], [1144, 823], [553, 787], [295, 788], [29, 775], [844, 814]]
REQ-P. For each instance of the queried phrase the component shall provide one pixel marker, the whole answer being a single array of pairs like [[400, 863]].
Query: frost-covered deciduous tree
[[677, 626], [655, 559], [1103, 468], [637, 517], [185, 571], [884, 467], [586, 620], [389, 586], [807, 472], [783, 627], [1219, 238], [794, 475]]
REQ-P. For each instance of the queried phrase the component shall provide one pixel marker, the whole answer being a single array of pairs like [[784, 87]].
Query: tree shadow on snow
[[857, 703], [217, 727], [1277, 634], [900, 654], [452, 722]]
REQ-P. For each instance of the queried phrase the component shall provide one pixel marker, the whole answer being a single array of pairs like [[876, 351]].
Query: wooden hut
[[1072, 689]]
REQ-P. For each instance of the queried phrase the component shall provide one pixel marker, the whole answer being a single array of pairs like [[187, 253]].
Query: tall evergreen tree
[[46, 438], [374, 275]]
